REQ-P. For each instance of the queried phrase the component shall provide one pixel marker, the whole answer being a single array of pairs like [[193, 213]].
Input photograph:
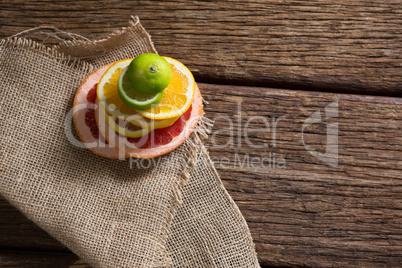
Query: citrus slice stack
[[127, 132]]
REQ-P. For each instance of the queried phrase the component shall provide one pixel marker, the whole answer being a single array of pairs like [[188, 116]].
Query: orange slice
[[108, 95], [178, 95]]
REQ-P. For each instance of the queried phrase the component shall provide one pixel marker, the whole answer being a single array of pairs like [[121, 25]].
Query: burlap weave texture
[[112, 214]]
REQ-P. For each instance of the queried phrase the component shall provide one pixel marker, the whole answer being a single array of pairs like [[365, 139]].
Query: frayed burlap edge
[[77, 44], [194, 145], [200, 135], [52, 53]]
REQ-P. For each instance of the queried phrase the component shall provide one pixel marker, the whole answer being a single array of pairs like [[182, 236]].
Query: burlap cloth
[[111, 213]]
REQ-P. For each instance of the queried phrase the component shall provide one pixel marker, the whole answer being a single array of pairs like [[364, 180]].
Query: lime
[[133, 98], [149, 73]]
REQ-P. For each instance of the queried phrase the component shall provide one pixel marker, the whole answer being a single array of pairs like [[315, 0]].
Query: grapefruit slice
[[157, 142], [84, 117]]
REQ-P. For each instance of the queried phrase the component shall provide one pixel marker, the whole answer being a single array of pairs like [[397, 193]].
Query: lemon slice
[[108, 95], [124, 127], [177, 97], [154, 124], [134, 129]]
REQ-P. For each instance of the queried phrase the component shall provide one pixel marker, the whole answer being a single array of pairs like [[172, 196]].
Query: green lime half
[[133, 98]]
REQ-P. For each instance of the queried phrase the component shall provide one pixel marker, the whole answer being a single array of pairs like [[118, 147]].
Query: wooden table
[[282, 60]]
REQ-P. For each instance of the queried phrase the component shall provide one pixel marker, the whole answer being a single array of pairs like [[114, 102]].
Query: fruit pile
[[143, 107]]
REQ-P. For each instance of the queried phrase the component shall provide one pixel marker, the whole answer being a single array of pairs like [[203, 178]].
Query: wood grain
[[306, 212], [39, 260], [303, 212], [325, 45]]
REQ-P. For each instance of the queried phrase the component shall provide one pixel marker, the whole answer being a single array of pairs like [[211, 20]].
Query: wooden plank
[[43, 260], [18, 233], [39, 260], [300, 210], [306, 212], [331, 45]]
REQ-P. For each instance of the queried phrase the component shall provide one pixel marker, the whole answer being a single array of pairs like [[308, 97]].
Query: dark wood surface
[[304, 212], [10, 259], [307, 213], [332, 45]]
